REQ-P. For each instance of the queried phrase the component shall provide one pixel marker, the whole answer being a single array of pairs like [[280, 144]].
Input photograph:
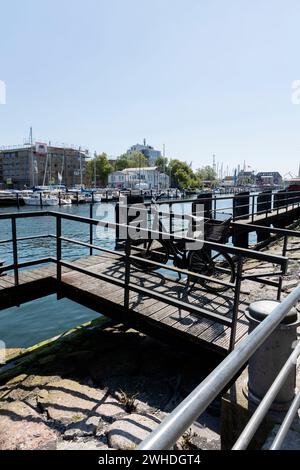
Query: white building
[[139, 178]]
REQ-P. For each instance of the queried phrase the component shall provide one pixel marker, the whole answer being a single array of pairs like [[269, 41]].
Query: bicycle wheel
[[153, 250], [217, 266]]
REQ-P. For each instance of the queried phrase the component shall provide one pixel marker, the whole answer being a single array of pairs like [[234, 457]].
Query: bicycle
[[214, 264]]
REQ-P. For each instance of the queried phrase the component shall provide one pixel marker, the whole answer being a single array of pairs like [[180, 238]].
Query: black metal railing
[[244, 206], [238, 254]]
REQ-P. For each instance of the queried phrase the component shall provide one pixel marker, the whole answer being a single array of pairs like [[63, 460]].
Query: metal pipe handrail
[[146, 291], [169, 431], [151, 262], [264, 406], [254, 227], [286, 424], [276, 259], [21, 239], [281, 260], [235, 196]]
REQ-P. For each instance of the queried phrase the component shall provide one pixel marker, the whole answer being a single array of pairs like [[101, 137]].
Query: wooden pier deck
[[146, 314]]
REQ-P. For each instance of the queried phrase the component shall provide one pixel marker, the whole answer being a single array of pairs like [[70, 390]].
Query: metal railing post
[[15, 249], [127, 273], [58, 248], [236, 302], [91, 228], [253, 206]]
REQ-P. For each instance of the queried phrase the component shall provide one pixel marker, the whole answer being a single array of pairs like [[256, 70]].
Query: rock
[[291, 442], [110, 410], [86, 427], [26, 388], [68, 401], [287, 285], [199, 437], [127, 433], [105, 414], [91, 444], [150, 392], [21, 428]]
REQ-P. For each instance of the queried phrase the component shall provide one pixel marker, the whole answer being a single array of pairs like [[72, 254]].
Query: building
[[245, 178], [139, 178], [229, 181], [149, 152], [269, 178], [27, 166]]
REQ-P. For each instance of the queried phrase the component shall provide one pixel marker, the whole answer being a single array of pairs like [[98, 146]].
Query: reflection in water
[[41, 319]]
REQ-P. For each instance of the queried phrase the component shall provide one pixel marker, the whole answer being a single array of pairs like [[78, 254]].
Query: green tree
[[182, 175], [102, 166], [162, 164], [206, 173], [131, 160]]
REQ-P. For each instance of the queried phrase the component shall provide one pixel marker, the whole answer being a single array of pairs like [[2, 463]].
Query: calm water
[[44, 318]]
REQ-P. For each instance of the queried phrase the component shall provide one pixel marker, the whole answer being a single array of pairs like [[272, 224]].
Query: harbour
[[149, 233]]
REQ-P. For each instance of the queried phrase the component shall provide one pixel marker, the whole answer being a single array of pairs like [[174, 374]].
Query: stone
[[149, 391], [106, 413], [110, 410], [22, 428], [68, 401], [25, 389], [84, 428], [127, 433], [199, 437], [91, 444], [291, 442]]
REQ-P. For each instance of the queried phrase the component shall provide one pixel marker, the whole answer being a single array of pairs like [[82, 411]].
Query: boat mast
[[80, 167], [46, 166], [31, 157], [164, 165], [95, 169]]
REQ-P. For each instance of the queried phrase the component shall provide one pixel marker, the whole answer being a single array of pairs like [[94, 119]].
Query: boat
[[293, 184], [38, 199], [65, 200], [92, 197]]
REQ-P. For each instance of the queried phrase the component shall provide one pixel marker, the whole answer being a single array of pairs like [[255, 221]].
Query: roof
[[268, 173], [145, 168]]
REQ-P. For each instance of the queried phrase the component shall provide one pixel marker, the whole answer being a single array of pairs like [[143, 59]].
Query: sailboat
[[38, 199]]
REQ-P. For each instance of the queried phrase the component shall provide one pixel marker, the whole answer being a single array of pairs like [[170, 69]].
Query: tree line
[[181, 173]]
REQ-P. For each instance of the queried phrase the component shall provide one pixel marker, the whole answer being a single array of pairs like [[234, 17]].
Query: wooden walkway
[[269, 216], [145, 314]]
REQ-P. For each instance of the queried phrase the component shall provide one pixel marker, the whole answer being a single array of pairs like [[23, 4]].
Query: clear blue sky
[[201, 76]]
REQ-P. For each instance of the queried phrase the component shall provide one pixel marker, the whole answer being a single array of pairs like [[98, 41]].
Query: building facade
[[149, 152], [25, 167], [139, 178], [269, 178]]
